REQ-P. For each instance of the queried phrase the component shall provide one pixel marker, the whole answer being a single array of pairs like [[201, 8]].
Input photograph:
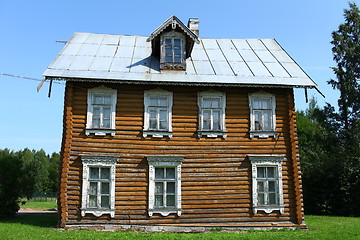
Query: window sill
[[268, 209], [157, 134], [263, 134], [98, 212], [165, 212], [211, 134], [100, 132]]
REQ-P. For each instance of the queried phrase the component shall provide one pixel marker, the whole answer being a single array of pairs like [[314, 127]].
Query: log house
[[173, 132]]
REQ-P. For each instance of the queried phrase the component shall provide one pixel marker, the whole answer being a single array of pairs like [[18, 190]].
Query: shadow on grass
[[48, 220]]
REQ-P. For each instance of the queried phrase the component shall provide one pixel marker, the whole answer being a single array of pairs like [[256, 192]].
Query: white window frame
[[97, 161], [164, 161], [209, 132], [89, 123], [262, 133], [157, 133], [267, 161]]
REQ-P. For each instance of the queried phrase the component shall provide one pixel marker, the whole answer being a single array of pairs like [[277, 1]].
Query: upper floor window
[[98, 185], [158, 113], [212, 114], [172, 55], [267, 194], [262, 115], [101, 111]]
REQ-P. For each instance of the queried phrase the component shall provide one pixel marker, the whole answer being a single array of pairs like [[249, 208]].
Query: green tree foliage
[[22, 173], [330, 140]]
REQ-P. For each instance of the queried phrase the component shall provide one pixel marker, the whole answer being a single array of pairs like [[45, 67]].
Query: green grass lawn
[[42, 226], [40, 205]]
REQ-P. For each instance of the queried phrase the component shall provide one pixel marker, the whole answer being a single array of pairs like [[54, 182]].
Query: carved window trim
[[266, 133], [164, 161], [271, 160], [164, 64], [97, 161], [101, 131], [157, 133], [210, 133]]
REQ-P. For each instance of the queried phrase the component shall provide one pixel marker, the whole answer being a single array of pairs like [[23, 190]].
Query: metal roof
[[263, 62]]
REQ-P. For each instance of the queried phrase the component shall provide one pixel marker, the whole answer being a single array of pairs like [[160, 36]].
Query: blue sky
[[30, 29]]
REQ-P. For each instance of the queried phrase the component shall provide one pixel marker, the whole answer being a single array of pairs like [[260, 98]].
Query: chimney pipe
[[193, 25]]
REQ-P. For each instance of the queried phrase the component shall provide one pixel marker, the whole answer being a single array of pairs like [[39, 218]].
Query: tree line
[[24, 172], [329, 140]]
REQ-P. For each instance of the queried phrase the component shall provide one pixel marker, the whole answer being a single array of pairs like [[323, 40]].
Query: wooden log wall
[[216, 175]]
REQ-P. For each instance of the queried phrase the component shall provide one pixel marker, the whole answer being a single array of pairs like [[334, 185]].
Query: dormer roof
[[172, 24]]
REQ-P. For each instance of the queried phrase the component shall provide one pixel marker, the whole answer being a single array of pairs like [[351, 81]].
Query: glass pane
[[153, 113], [93, 188], [159, 202], [163, 125], [98, 99], [206, 102], [256, 103], [177, 42], [265, 104], [105, 201], [266, 120], [107, 99], [154, 101], [159, 187], [261, 188], [168, 58], [170, 187], [271, 172], [94, 173], [216, 120], [163, 114], [170, 173], [215, 103], [96, 122], [92, 201], [105, 173], [272, 186], [168, 41], [272, 198], [152, 124], [261, 172], [106, 123], [96, 111], [163, 101], [177, 59], [159, 173], [177, 52], [170, 200], [105, 188], [107, 112], [261, 199], [258, 123]]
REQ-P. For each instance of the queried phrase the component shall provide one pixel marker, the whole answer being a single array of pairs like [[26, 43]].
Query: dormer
[[173, 42]]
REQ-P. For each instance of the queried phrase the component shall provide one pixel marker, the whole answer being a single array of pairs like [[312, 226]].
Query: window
[[98, 189], [267, 183], [165, 184], [172, 55], [262, 115], [158, 113], [211, 114], [101, 111]]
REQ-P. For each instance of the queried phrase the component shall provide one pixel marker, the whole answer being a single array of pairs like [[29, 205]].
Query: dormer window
[[173, 52]]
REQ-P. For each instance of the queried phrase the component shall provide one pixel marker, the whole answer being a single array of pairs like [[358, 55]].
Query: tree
[[346, 54]]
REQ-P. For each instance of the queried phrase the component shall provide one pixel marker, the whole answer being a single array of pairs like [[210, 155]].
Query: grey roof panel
[[213, 61]]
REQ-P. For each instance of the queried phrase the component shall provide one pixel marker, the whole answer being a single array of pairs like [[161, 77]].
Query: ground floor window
[[164, 184], [98, 189], [267, 192]]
